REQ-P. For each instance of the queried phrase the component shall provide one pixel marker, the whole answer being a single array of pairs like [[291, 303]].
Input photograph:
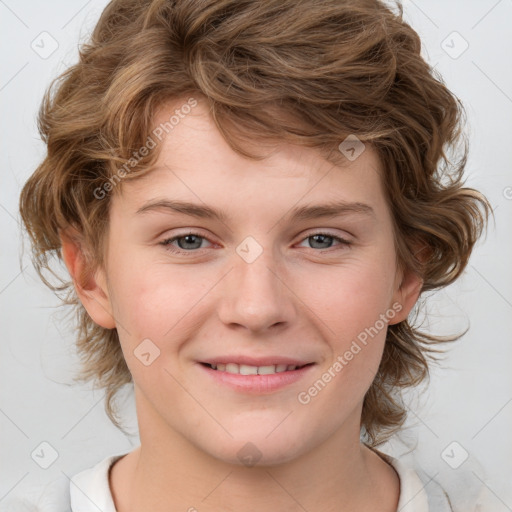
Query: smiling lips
[[255, 376], [250, 365], [245, 369]]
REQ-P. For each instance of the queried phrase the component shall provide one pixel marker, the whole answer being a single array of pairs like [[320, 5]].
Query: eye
[[325, 240], [186, 243]]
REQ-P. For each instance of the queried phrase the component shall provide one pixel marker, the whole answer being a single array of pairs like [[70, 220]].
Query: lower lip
[[258, 384]]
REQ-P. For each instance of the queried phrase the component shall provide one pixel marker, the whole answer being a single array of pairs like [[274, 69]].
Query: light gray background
[[469, 399]]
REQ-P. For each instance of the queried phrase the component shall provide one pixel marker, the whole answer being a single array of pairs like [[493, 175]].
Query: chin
[[252, 448]]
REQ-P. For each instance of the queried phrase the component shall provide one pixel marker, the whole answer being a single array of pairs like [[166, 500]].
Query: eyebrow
[[306, 212]]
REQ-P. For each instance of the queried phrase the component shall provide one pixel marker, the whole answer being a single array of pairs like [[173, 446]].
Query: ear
[[406, 294], [90, 286]]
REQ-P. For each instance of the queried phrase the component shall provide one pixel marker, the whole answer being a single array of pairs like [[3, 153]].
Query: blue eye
[[325, 238], [190, 242]]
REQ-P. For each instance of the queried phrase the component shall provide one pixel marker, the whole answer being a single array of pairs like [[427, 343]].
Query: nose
[[256, 295]]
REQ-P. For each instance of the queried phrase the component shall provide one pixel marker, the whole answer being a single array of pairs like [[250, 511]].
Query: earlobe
[[406, 295], [90, 286]]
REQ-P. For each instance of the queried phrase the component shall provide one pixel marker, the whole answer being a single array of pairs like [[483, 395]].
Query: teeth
[[232, 368], [248, 370], [266, 370], [245, 369]]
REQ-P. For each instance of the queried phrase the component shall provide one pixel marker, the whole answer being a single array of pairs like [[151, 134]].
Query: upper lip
[[256, 361]]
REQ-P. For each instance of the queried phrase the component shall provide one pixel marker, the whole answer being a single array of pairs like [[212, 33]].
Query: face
[[273, 283]]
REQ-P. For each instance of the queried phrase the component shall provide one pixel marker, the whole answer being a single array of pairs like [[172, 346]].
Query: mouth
[[245, 369], [255, 375]]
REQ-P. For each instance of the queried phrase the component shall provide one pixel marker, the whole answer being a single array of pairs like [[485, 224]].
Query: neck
[[168, 472]]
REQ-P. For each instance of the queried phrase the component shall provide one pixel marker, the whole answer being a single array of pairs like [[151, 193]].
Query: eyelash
[[167, 243]]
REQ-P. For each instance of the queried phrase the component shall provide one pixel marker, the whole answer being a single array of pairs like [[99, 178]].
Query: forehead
[[196, 162], [190, 116]]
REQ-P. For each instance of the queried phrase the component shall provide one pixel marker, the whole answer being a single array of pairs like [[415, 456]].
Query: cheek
[[160, 303], [152, 298], [353, 309], [349, 299]]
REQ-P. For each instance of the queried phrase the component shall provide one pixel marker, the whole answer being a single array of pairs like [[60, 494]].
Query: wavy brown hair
[[307, 72]]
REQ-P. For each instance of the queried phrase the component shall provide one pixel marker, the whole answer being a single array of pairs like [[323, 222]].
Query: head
[[251, 109]]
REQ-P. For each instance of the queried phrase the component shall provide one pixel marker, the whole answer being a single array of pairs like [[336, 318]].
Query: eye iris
[[323, 239], [189, 241]]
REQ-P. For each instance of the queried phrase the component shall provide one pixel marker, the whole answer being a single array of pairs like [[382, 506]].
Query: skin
[[302, 297]]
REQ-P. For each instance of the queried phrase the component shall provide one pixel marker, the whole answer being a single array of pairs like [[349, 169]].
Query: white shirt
[[89, 491]]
